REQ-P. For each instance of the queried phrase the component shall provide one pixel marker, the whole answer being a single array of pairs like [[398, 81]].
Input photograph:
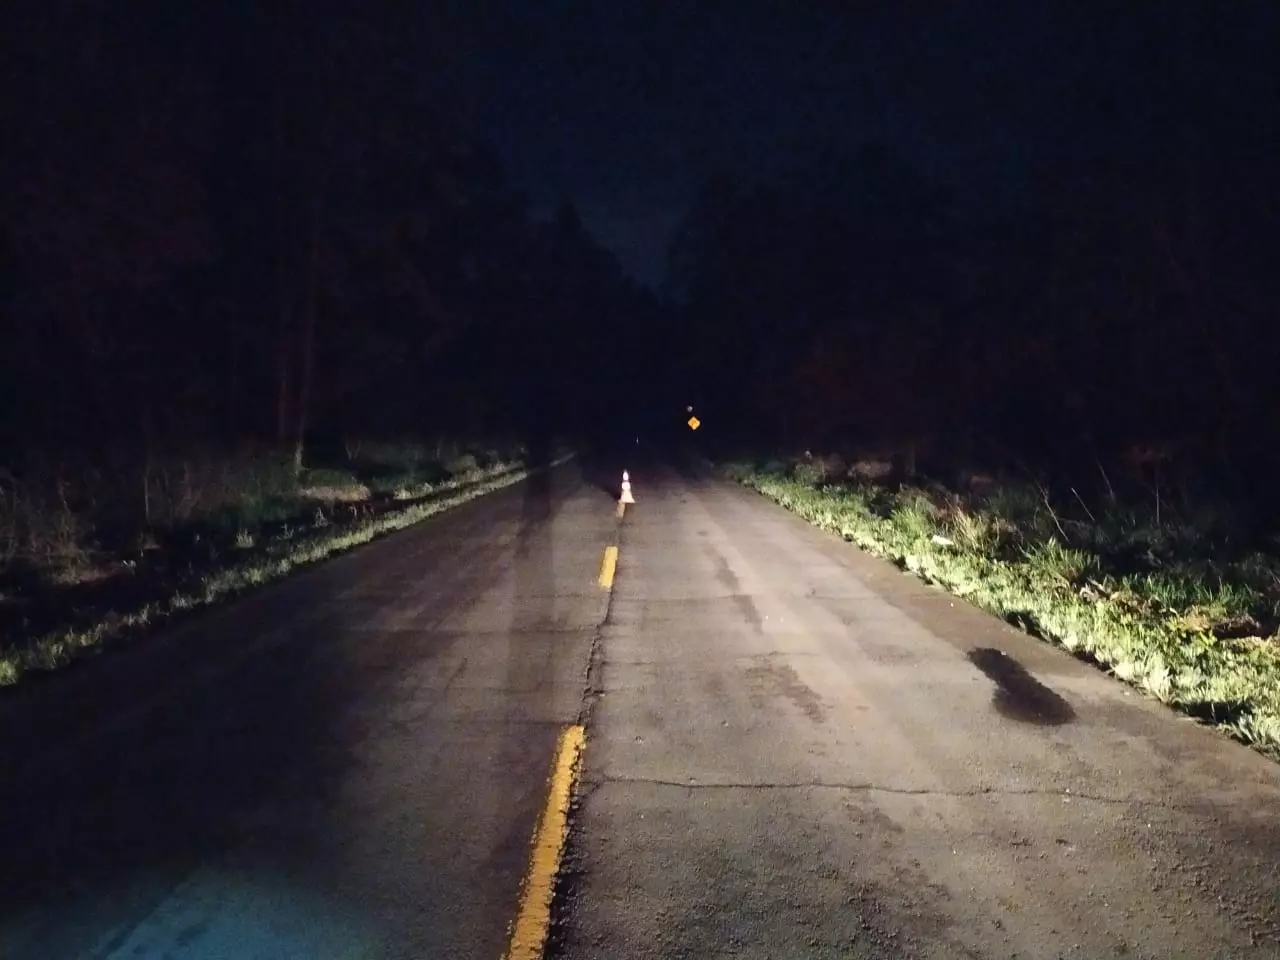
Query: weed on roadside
[[1183, 608], [75, 573]]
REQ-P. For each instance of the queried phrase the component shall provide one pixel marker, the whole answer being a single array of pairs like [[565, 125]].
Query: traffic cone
[[626, 489]]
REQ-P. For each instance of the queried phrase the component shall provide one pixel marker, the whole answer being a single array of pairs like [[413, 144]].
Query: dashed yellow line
[[608, 566], [622, 509], [533, 921]]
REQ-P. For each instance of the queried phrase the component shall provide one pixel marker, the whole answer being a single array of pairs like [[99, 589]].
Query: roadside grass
[[74, 576], [1186, 608]]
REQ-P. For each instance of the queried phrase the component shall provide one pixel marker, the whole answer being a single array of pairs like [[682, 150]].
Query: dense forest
[[263, 271], [1115, 300], [276, 234], [256, 223]]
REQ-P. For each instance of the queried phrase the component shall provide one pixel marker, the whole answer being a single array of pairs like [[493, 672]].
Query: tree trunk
[[1191, 78], [284, 278], [233, 384], [310, 310], [284, 378], [147, 465]]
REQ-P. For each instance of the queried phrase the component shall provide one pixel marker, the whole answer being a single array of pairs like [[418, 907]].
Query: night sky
[[1077, 183], [625, 107]]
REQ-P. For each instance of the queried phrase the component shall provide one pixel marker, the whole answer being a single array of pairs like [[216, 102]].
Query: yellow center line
[[608, 566], [622, 509], [529, 934]]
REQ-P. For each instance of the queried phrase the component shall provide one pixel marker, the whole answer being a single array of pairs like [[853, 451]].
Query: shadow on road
[[142, 807], [298, 787], [533, 603]]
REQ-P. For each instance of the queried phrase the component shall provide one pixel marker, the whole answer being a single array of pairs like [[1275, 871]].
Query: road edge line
[[533, 920]]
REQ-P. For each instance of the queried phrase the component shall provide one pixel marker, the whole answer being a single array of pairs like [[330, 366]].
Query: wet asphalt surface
[[347, 764], [793, 750]]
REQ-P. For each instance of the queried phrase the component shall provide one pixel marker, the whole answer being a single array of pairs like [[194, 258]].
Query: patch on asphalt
[[769, 678], [729, 580]]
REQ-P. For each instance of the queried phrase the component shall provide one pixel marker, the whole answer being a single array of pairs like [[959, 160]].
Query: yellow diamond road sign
[[694, 423]]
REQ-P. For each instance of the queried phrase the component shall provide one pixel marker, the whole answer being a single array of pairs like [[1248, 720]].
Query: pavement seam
[[595, 656], [569, 871], [896, 791], [533, 921]]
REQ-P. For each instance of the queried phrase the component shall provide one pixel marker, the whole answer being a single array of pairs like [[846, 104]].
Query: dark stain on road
[[766, 675], [729, 580], [746, 606], [1020, 696], [724, 573]]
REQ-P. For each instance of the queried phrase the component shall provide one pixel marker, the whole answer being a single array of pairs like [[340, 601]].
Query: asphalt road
[[792, 750], [795, 750], [348, 764]]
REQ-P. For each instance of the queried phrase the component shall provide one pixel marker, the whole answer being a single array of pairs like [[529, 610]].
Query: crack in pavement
[[744, 658], [879, 788], [593, 681]]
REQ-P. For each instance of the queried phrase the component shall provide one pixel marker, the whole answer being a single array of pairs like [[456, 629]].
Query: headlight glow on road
[[212, 914]]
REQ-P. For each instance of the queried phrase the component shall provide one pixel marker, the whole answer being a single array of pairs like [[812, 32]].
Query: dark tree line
[[265, 221], [259, 221], [1121, 295]]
